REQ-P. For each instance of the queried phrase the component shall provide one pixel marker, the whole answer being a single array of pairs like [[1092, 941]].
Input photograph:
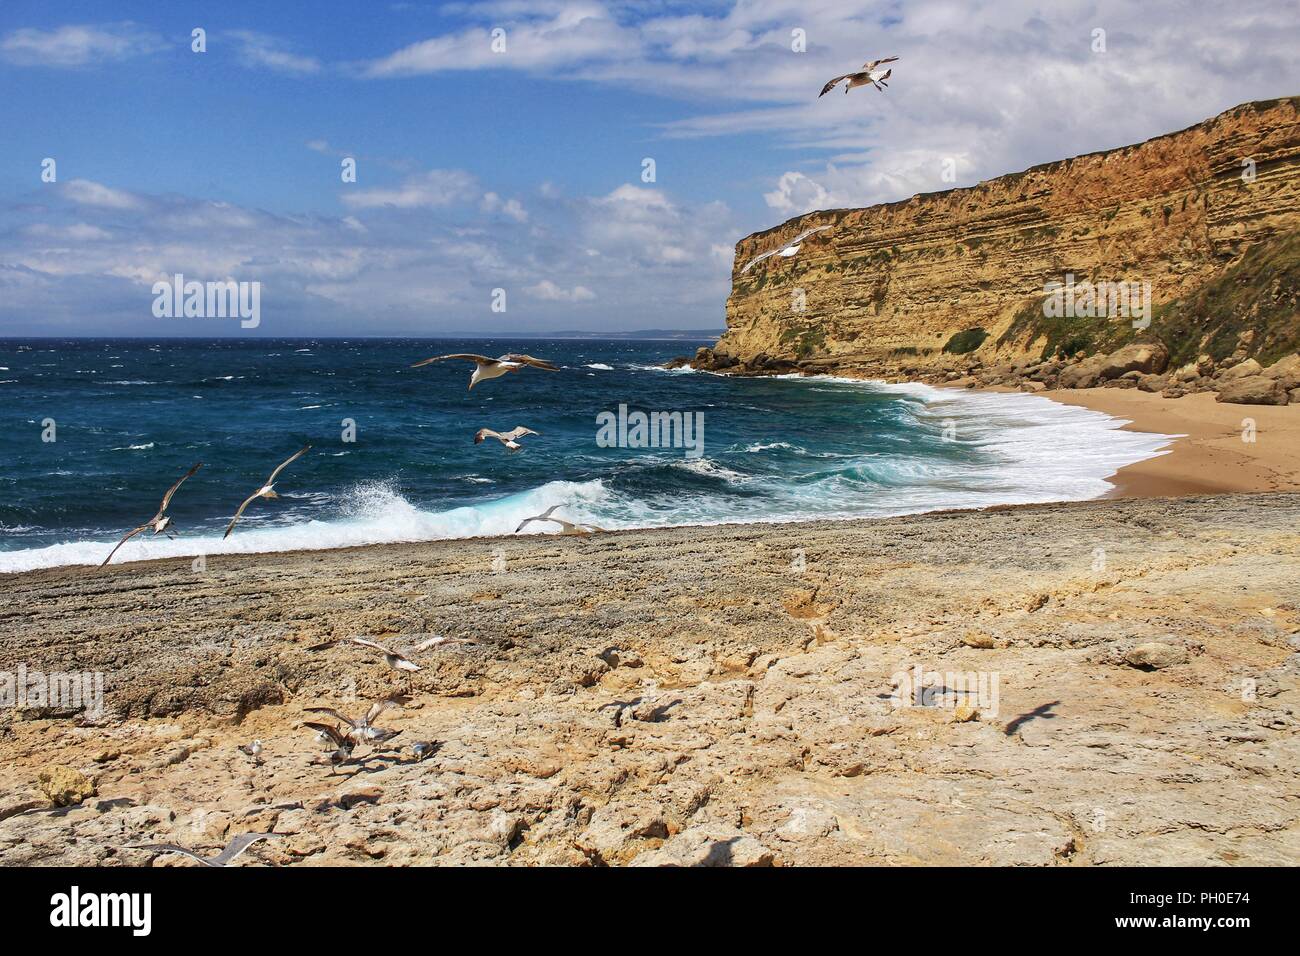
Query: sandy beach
[[729, 695], [1212, 457]]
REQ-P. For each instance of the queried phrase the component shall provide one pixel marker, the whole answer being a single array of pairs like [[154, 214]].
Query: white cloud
[[260, 51], [550, 292], [422, 256], [84, 192], [432, 189], [78, 45]]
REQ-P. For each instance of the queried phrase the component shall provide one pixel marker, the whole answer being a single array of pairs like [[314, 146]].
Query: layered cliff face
[[965, 272]]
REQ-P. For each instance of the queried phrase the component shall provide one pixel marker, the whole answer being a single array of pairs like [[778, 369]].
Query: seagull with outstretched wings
[[867, 75], [267, 489], [159, 522], [485, 368]]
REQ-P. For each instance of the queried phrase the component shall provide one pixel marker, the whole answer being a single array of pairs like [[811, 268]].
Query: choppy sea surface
[[129, 417]]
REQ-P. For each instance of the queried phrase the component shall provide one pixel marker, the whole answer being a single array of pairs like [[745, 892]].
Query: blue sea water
[[131, 415]]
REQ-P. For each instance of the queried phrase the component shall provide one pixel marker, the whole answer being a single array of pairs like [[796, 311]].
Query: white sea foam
[[602, 366], [371, 513], [1020, 449]]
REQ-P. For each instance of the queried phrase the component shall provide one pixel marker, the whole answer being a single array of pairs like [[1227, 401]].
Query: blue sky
[[521, 169]]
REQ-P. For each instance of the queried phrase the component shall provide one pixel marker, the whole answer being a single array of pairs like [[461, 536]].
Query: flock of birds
[[484, 368], [341, 732], [346, 733]]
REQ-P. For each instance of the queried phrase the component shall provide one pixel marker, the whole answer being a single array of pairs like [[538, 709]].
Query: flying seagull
[[862, 78], [234, 849], [394, 659], [786, 251], [567, 526], [266, 491], [159, 522], [485, 368], [364, 729], [510, 439]]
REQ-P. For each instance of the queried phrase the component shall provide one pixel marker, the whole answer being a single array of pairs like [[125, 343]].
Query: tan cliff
[[945, 278]]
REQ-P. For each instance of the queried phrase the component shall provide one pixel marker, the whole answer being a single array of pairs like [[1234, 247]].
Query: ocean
[[95, 431]]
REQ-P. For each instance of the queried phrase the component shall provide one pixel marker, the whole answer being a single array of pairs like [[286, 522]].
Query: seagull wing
[[483, 433], [428, 643], [831, 85], [236, 847], [129, 535], [330, 731], [379, 706], [526, 522], [480, 359], [872, 64], [373, 645], [287, 462], [167, 498], [519, 431], [171, 848], [335, 714], [529, 360], [238, 514]]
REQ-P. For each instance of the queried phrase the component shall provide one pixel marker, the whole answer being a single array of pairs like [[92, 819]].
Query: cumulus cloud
[[78, 45], [420, 256]]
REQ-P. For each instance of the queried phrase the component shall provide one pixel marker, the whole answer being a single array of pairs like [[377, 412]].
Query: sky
[[502, 149]]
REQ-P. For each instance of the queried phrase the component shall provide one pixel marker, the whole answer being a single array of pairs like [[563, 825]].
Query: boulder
[[1188, 373], [65, 786], [1246, 369], [1083, 375], [1286, 371], [1173, 391], [1253, 390], [1153, 383], [1154, 656], [1147, 357]]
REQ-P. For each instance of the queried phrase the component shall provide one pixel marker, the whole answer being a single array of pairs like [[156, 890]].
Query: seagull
[[485, 368], [509, 439], [266, 490], [864, 77], [568, 526], [786, 251], [159, 522], [253, 750], [364, 729], [328, 733], [394, 659], [424, 748], [234, 849]]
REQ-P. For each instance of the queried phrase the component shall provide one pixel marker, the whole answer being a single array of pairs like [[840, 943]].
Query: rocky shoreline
[[689, 696], [1237, 379]]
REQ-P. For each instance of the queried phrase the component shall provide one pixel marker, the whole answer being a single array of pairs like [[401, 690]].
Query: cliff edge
[[1203, 223]]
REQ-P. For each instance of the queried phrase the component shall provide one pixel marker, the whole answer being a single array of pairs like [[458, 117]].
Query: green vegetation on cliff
[[1258, 293]]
